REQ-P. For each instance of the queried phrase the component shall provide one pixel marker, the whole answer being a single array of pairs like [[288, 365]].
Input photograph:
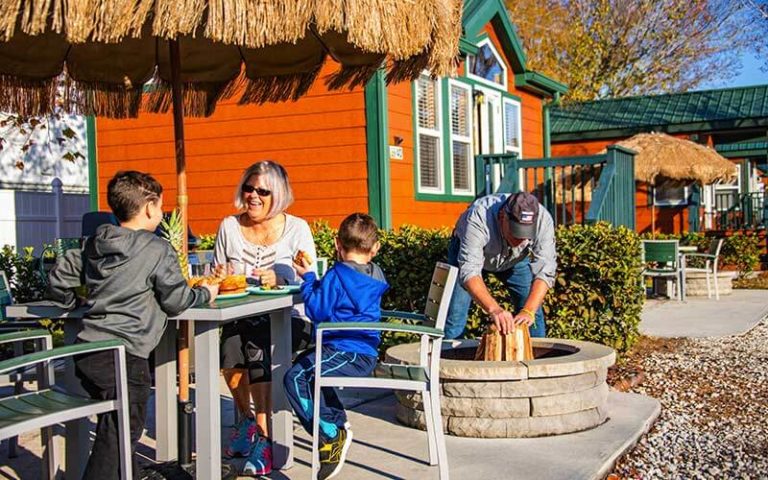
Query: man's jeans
[[518, 280], [96, 372]]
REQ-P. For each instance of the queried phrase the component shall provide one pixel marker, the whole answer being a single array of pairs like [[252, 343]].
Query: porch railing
[[583, 189], [736, 212]]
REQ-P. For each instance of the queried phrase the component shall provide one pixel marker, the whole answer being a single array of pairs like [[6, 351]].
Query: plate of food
[[276, 290], [230, 286]]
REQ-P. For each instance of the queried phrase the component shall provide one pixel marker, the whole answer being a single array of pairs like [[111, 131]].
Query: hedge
[[598, 294]]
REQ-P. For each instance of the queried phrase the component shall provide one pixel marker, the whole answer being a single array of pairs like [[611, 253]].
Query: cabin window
[[461, 137], [512, 126], [486, 65], [428, 135], [670, 193]]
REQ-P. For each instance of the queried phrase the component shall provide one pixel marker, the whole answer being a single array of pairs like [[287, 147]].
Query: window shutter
[[511, 125], [427, 103], [428, 157]]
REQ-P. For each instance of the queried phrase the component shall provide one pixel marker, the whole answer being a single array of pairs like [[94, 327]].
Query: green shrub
[[597, 297], [23, 275], [207, 241], [742, 251]]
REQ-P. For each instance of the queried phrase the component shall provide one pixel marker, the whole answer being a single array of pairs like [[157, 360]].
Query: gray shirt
[[483, 247]]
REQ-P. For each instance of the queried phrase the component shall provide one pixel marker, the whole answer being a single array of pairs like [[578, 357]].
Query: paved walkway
[[733, 314]]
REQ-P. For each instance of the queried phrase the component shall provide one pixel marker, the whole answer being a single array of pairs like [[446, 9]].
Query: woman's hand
[[267, 277], [213, 290], [303, 267]]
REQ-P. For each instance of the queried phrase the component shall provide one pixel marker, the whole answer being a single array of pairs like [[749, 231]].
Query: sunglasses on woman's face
[[262, 192]]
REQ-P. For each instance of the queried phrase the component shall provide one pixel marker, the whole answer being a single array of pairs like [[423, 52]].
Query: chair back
[[715, 245], [92, 220], [661, 252], [6, 297], [439, 295], [58, 249]]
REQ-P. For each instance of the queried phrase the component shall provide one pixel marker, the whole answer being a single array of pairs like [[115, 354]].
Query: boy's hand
[[213, 290], [303, 267], [267, 277]]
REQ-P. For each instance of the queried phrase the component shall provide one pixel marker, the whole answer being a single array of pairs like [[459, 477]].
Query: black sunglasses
[[262, 192]]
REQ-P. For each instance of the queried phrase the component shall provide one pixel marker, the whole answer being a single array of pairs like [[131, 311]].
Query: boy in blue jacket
[[350, 291]]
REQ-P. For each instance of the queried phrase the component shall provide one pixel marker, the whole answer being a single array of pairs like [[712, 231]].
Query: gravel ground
[[714, 397]]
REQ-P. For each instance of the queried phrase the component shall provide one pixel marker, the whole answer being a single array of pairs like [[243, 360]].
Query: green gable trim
[[479, 12], [93, 170], [730, 108], [539, 83], [467, 47], [377, 148]]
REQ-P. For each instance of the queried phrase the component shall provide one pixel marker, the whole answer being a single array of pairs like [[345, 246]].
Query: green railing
[[736, 212], [582, 189]]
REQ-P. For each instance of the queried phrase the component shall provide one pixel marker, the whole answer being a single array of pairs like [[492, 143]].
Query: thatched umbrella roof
[[266, 50], [659, 154]]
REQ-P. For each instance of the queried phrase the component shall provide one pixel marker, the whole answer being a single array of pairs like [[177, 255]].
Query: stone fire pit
[[563, 390]]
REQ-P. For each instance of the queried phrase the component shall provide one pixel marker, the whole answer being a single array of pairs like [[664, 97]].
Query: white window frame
[[464, 139], [438, 134], [504, 75], [518, 104]]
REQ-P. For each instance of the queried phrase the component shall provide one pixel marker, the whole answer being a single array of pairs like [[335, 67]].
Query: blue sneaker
[[241, 438], [260, 460]]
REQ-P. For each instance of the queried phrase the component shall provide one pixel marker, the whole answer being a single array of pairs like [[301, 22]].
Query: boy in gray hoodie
[[134, 283]]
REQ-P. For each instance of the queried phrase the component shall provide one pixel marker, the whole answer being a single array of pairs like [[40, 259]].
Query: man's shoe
[[333, 453], [241, 438], [260, 460]]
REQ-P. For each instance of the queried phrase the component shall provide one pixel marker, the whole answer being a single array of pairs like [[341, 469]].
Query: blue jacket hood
[[363, 291]]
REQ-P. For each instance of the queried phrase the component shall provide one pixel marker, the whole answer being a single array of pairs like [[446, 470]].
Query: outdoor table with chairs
[[206, 321], [668, 260]]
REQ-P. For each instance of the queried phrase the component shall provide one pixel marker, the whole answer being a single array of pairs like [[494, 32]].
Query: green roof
[[743, 149], [679, 112]]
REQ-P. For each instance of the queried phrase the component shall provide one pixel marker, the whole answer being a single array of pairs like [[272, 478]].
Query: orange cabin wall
[[319, 139], [406, 209], [668, 219]]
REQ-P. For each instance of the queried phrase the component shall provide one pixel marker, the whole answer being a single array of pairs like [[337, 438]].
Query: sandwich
[[233, 284], [301, 255]]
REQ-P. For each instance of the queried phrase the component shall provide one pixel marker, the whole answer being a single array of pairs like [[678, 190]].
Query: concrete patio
[[383, 448]]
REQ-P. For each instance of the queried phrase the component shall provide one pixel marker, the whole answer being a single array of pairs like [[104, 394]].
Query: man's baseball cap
[[522, 211]]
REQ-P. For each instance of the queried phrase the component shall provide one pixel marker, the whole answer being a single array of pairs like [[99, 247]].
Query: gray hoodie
[[134, 283]]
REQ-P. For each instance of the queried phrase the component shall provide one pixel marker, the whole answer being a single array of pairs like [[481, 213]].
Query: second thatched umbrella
[[662, 155]]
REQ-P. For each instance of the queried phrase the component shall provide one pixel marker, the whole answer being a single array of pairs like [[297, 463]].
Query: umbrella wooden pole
[[185, 407]]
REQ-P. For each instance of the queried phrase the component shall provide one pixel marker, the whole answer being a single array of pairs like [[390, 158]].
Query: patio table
[[206, 320]]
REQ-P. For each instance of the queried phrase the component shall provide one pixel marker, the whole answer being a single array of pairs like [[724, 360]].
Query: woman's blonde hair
[[277, 182]]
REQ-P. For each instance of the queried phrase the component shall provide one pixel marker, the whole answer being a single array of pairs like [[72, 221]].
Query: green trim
[[475, 83], [467, 47], [93, 168], [743, 149], [377, 148], [539, 83], [438, 197], [478, 13]]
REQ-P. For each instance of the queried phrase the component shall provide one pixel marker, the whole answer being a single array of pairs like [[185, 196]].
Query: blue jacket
[[345, 295]]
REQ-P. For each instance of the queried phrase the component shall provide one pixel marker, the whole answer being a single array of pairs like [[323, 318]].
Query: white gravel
[[714, 419]]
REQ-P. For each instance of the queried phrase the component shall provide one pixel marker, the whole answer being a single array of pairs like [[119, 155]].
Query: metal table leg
[[208, 410], [282, 415], [166, 424]]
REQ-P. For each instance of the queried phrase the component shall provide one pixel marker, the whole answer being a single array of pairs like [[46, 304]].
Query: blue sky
[[750, 75]]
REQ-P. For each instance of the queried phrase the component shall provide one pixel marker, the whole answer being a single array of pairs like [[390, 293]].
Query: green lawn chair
[[58, 249], [662, 260], [423, 377]]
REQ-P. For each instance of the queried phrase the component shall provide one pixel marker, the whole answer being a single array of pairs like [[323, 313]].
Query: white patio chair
[[424, 377], [710, 265]]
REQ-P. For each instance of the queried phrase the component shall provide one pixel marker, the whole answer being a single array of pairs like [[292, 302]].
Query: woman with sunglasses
[[261, 242]]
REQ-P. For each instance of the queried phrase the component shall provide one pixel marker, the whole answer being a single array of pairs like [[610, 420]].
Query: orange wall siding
[[320, 139]]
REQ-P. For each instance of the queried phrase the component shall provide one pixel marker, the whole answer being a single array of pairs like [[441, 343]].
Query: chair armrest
[[61, 352], [382, 326], [419, 317], [23, 335], [702, 255]]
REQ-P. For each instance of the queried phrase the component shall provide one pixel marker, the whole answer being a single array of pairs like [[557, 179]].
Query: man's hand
[[504, 321], [524, 317]]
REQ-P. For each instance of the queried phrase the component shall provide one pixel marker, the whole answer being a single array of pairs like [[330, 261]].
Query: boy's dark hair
[[358, 232], [129, 191]]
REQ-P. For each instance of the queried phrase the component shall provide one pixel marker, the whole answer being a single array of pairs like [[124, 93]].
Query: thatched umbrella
[[662, 155], [111, 57]]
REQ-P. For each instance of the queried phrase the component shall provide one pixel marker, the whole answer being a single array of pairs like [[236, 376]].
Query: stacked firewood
[[495, 347]]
